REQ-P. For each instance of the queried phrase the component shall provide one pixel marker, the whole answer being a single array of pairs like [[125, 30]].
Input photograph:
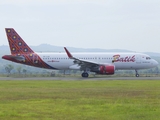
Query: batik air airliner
[[99, 63]]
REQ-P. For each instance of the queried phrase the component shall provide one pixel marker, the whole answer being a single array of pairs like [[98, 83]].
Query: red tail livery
[[21, 52]]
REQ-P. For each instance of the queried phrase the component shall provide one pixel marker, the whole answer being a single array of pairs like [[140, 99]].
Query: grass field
[[80, 100]]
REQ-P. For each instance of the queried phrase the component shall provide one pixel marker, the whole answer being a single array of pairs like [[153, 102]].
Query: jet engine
[[104, 69]]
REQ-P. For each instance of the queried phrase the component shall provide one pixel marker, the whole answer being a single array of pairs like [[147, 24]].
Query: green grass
[[80, 100]]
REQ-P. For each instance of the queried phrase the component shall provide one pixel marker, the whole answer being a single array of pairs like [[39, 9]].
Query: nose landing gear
[[137, 75]]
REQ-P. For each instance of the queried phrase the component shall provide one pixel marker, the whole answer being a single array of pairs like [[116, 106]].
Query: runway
[[80, 78]]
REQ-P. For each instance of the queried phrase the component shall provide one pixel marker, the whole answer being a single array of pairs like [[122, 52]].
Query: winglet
[[68, 53]]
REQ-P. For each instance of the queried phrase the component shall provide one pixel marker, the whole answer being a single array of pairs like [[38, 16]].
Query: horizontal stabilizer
[[11, 57]]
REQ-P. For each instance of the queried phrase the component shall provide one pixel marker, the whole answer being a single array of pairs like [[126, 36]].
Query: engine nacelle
[[104, 69]]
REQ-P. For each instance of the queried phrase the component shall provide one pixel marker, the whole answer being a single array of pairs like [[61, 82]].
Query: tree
[[156, 70], [24, 71], [52, 73], [9, 68], [19, 69], [74, 72]]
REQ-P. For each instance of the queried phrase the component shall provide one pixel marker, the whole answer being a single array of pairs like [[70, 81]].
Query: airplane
[[100, 63]]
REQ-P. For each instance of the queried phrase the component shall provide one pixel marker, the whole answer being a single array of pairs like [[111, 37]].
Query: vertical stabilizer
[[16, 43], [21, 52]]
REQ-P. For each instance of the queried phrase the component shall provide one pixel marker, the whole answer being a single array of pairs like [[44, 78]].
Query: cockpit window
[[148, 58]]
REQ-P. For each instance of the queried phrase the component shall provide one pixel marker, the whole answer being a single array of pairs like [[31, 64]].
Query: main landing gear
[[85, 74], [137, 75]]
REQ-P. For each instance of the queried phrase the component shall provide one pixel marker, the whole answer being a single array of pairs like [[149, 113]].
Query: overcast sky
[[107, 24]]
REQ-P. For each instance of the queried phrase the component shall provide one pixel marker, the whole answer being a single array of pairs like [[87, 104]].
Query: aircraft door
[[138, 59]]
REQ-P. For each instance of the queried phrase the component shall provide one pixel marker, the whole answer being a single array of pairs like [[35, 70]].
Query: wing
[[84, 64]]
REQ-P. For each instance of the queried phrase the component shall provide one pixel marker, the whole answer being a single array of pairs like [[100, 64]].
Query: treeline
[[28, 71]]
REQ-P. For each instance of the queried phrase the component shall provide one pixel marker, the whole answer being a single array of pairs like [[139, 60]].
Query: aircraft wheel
[[137, 75], [85, 75]]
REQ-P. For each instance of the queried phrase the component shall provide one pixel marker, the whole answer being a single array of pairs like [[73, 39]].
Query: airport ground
[[80, 78], [76, 98]]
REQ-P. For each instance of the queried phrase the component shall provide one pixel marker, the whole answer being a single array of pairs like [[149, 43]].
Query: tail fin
[[21, 52], [16, 43]]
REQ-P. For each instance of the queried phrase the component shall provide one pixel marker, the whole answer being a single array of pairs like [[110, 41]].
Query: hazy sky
[[108, 24]]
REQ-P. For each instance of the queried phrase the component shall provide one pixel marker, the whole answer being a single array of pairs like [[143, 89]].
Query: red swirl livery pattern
[[21, 52]]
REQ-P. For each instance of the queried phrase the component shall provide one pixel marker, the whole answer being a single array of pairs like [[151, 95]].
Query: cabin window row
[[81, 58]]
